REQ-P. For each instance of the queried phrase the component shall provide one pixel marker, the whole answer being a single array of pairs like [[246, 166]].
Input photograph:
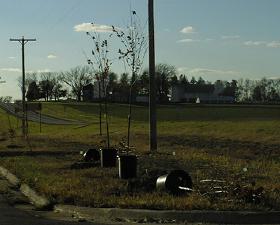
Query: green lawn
[[210, 142]]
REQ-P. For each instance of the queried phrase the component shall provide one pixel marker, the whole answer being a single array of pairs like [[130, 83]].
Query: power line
[[23, 41]]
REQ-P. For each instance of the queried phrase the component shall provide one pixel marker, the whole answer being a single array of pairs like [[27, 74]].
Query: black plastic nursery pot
[[177, 182], [91, 155], [127, 166], [108, 157]]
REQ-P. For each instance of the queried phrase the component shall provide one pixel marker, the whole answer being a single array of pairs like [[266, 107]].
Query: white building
[[208, 93]]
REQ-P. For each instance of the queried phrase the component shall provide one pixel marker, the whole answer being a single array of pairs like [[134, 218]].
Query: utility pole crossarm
[[22, 40]]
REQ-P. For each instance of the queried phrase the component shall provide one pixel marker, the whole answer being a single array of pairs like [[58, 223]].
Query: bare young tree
[[101, 62], [134, 41]]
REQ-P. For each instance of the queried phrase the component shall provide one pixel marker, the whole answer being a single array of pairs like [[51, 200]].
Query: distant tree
[[6, 99], [112, 81], [77, 78], [33, 92], [29, 78], [164, 72], [273, 90], [200, 81], [174, 80], [124, 80], [193, 80], [124, 86], [258, 93], [46, 84], [183, 80], [59, 92], [144, 83], [230, 89]]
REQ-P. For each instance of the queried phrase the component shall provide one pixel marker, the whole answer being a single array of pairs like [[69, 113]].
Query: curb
[[195, 216], [13, 180], [41, 203]]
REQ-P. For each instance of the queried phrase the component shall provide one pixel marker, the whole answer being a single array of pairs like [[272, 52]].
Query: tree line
[[263, 90], [70, 84]]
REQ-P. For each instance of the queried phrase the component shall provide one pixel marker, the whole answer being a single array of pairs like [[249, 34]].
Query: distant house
[[91, 92], [118, 96], [96, 92], [142, 99], [194, 93], [88, 93]]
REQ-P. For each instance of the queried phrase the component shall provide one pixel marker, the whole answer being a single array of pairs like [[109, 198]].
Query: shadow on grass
[[235, 148], [16, 153]]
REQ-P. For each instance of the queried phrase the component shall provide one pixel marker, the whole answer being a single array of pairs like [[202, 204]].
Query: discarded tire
[[91, 155], [127, 166], [108, 157], [177, 182]]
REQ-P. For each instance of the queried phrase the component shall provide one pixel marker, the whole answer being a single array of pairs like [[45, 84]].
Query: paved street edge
[[226, 217], [38, 201]]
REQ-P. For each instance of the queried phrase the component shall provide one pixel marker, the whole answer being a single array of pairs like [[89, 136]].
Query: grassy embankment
[[211, 142]]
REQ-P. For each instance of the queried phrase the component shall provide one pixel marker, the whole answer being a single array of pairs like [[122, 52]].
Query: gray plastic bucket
[[177, 182]]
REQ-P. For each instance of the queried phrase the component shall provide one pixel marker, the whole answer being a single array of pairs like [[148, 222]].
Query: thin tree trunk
[[129, 117], [100, 108]]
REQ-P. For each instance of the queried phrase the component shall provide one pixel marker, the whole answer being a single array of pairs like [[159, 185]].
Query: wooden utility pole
[[23, 41], [153, 113]]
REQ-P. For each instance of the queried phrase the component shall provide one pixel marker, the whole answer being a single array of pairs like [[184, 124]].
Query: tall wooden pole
[[153, 113], [24, 128], [23, 41]]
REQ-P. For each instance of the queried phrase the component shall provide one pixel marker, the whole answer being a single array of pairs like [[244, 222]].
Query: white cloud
[[188, 30], [214, 71], [187, 40], [51, 56], [273, 44], [209, 73], [89, 27], [190, 40], [43, 71], [274, 78], [11, 57], [15, 70], [229, 37], [254, 43]]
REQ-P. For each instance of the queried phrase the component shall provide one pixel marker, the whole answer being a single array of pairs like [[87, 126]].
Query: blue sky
[[215, 39]]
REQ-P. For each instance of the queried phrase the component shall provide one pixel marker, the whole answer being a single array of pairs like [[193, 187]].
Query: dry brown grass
[[217, 147]]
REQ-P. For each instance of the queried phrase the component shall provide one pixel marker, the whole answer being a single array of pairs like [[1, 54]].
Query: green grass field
[[237, 144]]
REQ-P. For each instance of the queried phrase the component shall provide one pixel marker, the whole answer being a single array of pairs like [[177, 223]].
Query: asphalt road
[[35, 117], [14, 216]]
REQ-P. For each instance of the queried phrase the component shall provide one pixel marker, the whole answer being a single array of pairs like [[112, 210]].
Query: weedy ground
[[238, 145]]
